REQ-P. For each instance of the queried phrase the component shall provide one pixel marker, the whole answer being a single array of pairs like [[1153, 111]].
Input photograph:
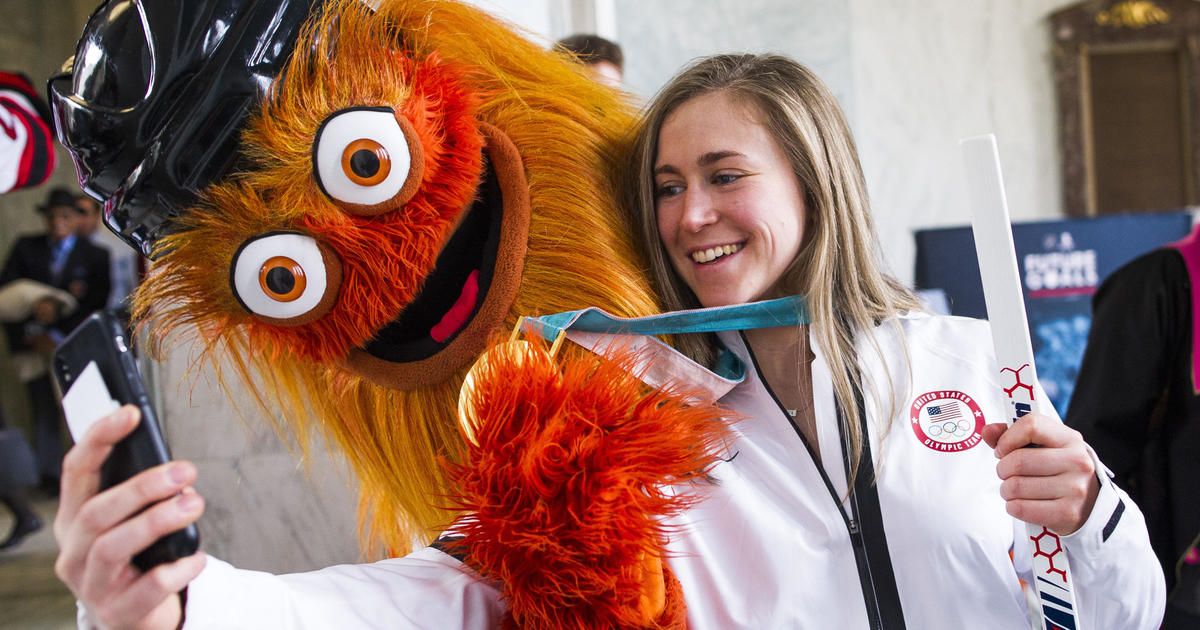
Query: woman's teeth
[[713, 253]]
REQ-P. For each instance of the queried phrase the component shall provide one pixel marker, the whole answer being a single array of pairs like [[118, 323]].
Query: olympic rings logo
[[947, 420]]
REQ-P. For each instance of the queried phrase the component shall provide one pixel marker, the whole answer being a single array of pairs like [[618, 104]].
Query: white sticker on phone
[[87, 401]]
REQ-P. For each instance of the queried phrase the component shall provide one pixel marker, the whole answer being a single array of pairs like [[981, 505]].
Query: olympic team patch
[[947, 420]]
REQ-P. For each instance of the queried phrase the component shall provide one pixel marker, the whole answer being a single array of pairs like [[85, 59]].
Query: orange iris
[[282, 279], [366, 162]]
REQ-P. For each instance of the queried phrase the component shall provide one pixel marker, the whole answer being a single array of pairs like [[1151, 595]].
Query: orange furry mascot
[[418, 178]]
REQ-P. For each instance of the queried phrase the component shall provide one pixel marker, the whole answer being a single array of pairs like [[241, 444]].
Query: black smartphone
[[97, 373]]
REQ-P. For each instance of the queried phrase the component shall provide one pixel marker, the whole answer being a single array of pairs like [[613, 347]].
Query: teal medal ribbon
[[788, 311]]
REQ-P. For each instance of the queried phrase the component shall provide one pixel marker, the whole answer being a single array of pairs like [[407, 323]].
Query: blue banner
[[1062, 263]]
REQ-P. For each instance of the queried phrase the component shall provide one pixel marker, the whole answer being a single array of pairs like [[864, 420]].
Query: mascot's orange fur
[[421, 177]]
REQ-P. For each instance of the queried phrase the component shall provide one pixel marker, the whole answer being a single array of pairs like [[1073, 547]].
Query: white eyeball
[[285, 276], [365, 157]]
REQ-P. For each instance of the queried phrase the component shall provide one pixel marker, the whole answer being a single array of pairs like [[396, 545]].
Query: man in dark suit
[[63, 260]]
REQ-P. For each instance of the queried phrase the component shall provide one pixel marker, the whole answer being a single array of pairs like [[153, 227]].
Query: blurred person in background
[[123, 259], [60, 259], [603, 57], [1136, 403]]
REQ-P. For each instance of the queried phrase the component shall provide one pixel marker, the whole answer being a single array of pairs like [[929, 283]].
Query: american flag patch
[[946, 420], [944, 411]]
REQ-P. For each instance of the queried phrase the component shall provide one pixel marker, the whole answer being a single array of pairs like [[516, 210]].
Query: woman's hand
[[1053, 485], [98, 534]]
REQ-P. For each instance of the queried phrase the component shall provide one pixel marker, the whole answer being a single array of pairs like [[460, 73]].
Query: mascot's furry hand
[[572, 466]]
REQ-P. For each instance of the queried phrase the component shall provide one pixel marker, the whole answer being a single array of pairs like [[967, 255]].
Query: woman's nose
[[699, 210]]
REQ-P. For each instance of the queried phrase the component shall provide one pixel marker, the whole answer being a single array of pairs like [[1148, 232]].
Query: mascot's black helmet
[[152, 104]]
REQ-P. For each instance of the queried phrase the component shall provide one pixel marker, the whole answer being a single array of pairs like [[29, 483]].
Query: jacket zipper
[[853, 527]]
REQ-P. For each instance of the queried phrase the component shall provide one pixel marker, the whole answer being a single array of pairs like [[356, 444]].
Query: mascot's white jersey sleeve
[[426, 589]]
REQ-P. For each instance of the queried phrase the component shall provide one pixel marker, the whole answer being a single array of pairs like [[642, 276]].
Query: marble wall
[[928, 73], [266, 509], [659, 38]]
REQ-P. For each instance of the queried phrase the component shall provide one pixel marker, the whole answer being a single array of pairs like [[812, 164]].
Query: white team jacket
[[770, 545]]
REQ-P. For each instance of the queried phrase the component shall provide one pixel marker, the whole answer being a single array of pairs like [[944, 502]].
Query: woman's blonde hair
[[838, 265]]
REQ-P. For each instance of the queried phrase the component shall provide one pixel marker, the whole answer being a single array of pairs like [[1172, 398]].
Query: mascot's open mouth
[[450, 297], [471, 288]]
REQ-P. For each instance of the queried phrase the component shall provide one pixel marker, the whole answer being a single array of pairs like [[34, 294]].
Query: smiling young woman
[[748, 187]]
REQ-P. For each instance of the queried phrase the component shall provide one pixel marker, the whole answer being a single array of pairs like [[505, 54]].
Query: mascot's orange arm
[[573, 465]]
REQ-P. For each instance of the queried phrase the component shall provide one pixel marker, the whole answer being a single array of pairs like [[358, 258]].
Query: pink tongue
[[456, 317]]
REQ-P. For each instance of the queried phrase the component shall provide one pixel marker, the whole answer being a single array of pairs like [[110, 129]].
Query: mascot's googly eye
[[369, 160], [286, 278]]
